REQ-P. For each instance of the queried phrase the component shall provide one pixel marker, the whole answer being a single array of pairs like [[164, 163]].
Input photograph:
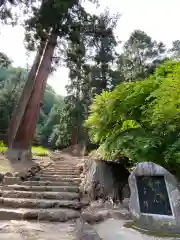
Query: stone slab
[[155, 221]]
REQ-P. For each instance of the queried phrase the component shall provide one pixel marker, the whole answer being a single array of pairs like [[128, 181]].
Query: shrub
[[140, 120]]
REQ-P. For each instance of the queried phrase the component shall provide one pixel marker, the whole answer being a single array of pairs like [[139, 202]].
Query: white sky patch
[[158, 18]]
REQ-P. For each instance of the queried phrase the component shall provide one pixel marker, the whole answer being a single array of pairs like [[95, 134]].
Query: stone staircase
[[51, 195]]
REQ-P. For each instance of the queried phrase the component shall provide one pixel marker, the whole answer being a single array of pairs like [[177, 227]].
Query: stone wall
[[104, 180]]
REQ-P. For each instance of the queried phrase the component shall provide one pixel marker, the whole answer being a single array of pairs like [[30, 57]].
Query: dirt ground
[[24, 230], [17, 166]]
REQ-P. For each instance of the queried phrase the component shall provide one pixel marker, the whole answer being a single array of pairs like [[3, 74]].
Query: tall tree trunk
[[25, 96], [21, 137], [74, 139]]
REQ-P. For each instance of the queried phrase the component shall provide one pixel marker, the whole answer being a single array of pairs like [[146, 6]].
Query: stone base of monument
[[155, 198], [157, 232], [159, 226], [18, 154]]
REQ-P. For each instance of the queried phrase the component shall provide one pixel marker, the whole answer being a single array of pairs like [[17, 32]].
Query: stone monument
[[155, 198]]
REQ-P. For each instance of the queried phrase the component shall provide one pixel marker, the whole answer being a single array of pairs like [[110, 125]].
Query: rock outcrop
[[104, 180]]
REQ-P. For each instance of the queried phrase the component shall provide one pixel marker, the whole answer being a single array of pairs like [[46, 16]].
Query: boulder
[[24, 175], [95, 216], [98, 211], [21, 175], [16, 174], [35, 169], [8, 174], [80, 168], [96, 204]]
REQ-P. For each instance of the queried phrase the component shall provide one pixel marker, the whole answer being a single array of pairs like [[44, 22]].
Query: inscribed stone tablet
[[153, 195], [155, 198]]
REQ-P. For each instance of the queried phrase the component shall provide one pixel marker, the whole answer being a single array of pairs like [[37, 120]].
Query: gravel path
[[113, 229]]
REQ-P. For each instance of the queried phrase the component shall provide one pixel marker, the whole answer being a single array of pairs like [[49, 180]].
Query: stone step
[[60, 168], [52, 178], [60, 178], [64, 163], [51, 183], [40, 195], [63, 166], [65, 160], [58, 173], [41, 188], [54, 169], [60, 159], [50, 173], [66, 171], [52, 215], [11, 180], [38, 203], [56, 176]]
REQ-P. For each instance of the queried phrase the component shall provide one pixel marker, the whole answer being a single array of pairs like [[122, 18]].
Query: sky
[[158, 18]]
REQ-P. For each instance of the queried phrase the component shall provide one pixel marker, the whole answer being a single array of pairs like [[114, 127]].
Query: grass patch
[[39, 151], [36, 150], [3, 147], [150, 233]]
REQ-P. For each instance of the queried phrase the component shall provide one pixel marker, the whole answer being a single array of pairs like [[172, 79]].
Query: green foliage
[[47, 129], [141, 55], [3, 147], [11, 11], [62, 131], [51, 99], [4, 60], [12, 81], [140, 120], [40, 151], [96, 43], [175, 50]]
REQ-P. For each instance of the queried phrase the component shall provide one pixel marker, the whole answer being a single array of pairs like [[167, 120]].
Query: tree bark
[[25, 96]]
